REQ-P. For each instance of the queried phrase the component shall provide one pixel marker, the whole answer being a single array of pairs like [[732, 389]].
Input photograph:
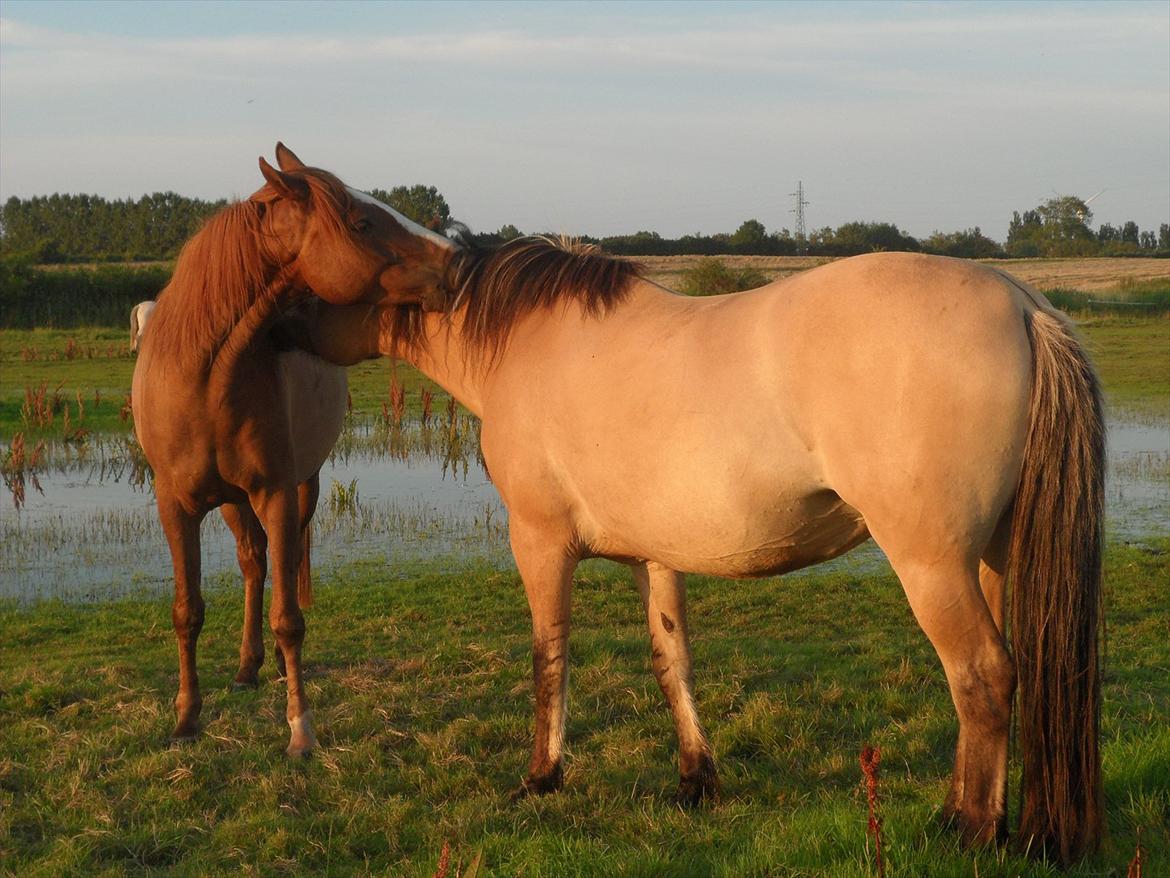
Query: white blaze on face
[[407, 223]]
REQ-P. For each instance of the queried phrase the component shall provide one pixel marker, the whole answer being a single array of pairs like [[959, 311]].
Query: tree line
[[51, 229], [89, 228]]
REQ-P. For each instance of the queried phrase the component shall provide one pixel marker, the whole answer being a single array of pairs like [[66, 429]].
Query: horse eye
[[362, 225]]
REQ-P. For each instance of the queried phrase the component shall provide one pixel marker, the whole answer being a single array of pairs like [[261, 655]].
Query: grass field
[[419, 680]]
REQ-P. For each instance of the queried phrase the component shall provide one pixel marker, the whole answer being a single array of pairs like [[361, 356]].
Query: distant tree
[[1130, 234], [861, 237], [781, 243], [509, 232], [1068, 212], [820, 241], [1107, 233], [971, 244], [1149, 241], [750, 237], [1058, 227], [641, 243], [1164, 236], [423, 204], [711, 277]]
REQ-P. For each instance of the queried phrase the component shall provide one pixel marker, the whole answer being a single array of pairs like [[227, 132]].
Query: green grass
[[419, 680], [103, 365], [1132, 357]]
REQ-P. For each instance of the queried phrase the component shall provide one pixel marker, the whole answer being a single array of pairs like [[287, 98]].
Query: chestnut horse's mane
[[498, 286], [227, 267]]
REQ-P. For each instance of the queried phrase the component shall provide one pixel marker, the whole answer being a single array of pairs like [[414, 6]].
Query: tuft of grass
[[343, 499], [419, 677]]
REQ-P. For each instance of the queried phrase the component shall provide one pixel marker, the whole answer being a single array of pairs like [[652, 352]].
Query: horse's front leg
[[252, 554], [277, 509], [182, 531], [547, 570], [663, 594]]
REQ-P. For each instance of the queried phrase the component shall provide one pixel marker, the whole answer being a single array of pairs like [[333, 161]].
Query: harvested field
[[1087, 275]]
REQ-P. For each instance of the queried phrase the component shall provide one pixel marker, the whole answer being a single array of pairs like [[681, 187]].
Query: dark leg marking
[[667, 623]]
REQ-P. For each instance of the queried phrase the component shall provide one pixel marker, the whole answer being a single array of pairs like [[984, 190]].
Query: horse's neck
[[257, 317], [443, 357]]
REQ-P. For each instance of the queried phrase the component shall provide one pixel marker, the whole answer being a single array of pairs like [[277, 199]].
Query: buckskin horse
[[935, 405], [227, 420]]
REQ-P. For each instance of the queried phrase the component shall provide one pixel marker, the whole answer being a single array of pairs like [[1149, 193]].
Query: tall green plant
[[711, 277]]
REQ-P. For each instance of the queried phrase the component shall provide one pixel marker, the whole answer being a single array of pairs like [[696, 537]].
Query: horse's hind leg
[[182, 531], [252, 554], [947, 601], [993, 569], [547, 571], [663, 594]]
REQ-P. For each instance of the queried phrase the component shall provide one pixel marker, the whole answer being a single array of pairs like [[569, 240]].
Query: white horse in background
[[139, 314]]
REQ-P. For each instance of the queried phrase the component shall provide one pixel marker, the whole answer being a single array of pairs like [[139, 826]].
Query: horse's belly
[[317, 394], [739, 541]]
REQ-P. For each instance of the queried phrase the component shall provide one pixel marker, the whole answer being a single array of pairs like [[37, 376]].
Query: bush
[[65, 298], [710, 277]]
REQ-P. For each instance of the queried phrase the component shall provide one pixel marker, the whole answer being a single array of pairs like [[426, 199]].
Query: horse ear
[[287, 159], [286, 185]]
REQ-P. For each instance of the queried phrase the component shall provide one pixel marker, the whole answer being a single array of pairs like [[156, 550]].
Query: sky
[[605, 118]]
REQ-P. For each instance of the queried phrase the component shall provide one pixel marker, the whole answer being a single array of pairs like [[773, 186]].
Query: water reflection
[[396, 492]]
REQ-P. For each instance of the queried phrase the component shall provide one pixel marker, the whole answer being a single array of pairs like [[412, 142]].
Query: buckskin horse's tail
[[1054, 572], [304, 569]]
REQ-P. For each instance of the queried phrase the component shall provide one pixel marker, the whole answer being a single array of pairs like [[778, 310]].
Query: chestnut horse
[[935, 405], [225, 419]]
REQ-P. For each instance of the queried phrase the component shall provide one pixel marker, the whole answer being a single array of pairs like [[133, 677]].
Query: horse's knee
[[289, 628], [252, 565], [187, 617]]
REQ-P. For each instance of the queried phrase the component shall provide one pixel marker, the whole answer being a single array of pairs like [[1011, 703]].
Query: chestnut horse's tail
[[304, 569], [1054, 571]]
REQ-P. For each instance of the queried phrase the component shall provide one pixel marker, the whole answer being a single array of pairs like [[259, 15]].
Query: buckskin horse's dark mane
[[498, 285]]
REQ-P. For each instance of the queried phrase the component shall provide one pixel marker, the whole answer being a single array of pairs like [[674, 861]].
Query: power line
[[801, 238]]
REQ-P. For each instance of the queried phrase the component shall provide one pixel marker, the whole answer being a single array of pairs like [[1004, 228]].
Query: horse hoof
[[701, 784], [303, 739], [245, 685], [974, 832], [182, 737], [540, 785]]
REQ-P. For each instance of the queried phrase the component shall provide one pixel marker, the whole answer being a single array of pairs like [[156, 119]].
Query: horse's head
[[344, 245]]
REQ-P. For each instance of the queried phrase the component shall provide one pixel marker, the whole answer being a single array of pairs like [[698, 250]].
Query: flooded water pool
[[91, 530]]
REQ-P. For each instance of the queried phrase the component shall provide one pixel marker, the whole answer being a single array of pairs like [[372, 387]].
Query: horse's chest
[[317, 393]]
